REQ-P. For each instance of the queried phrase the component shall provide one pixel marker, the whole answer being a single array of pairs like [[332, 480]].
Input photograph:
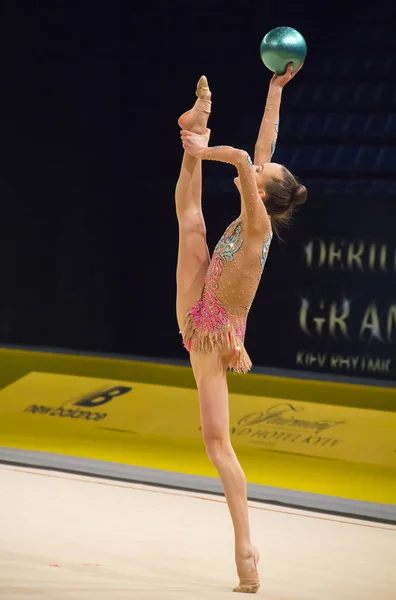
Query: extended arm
[[268, 134]]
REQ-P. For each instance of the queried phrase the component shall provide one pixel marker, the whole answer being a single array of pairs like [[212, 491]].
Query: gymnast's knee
[[218, 446]]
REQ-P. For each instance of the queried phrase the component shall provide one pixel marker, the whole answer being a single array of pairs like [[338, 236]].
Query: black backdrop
[[89, 159]]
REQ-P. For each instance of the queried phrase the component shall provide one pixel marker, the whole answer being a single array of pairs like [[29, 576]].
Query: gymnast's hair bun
[[299, 195]]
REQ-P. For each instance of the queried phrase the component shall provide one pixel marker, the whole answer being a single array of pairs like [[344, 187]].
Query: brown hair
[[282, 197]]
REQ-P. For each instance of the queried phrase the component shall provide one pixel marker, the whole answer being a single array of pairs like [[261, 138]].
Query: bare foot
[[196, 119], [249, 581]]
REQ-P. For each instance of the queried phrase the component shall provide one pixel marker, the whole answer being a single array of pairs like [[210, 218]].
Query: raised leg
[[210, 375], [193, 254]]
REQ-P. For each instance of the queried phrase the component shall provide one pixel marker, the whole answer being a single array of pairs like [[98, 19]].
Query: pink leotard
[[217, 321]]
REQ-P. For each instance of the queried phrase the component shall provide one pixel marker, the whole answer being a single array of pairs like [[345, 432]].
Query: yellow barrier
[[44, 404]]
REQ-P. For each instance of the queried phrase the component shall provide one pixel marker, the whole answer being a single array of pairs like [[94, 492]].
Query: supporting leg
[[210, 374]]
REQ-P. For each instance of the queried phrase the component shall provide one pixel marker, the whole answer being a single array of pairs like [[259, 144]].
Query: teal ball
[[281, 46]]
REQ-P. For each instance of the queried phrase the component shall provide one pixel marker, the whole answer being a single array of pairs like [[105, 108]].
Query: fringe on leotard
[[222, 340]]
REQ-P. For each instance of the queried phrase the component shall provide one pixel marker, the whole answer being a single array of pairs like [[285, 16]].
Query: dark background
[[90, 152]]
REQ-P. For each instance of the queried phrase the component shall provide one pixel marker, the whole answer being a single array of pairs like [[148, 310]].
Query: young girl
[[214, 295]]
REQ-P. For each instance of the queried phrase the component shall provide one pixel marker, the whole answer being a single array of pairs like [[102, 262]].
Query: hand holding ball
[[281, 46]]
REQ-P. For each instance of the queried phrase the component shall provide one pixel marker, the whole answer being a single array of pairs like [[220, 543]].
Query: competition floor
[[70, 537]]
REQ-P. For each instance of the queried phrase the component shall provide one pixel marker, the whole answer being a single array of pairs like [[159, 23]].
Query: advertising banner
[[41, 407]]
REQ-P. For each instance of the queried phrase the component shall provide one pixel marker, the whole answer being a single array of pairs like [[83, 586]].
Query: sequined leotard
[[217, 321]]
